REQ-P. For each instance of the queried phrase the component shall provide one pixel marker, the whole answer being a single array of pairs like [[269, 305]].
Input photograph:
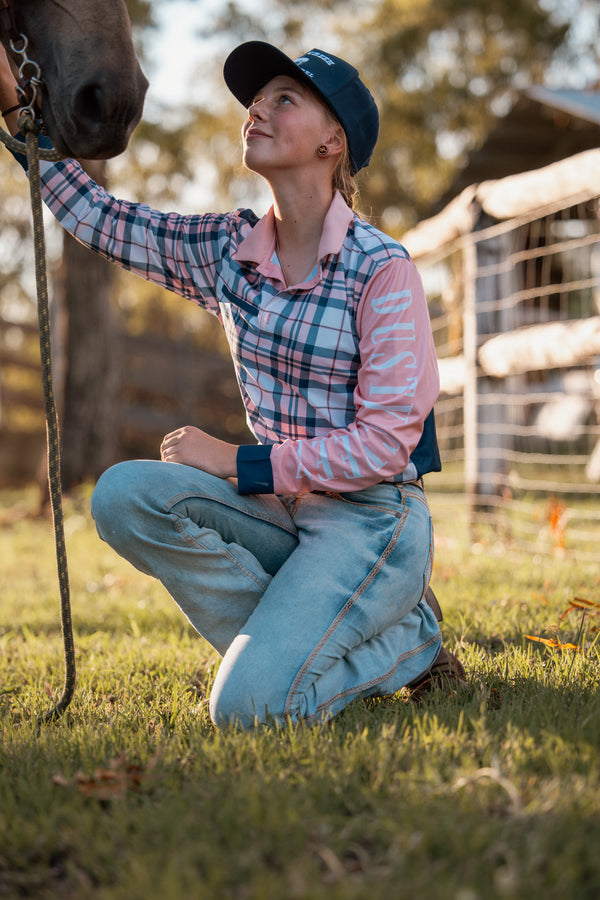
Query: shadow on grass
[[553, 715]]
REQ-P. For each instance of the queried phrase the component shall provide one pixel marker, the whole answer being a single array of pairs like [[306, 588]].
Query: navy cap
[[252, 65]]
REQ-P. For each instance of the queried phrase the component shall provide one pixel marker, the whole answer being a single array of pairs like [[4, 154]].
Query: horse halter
[[30, 74], [7, 20]]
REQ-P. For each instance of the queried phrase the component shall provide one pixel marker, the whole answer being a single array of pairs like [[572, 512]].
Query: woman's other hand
[[191, 446]]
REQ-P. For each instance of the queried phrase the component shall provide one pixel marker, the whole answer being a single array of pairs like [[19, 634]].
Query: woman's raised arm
[[8, 93]]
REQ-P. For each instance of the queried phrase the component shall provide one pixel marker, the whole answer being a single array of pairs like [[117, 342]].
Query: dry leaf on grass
[[580, 603], [552, 642], [112, 783]]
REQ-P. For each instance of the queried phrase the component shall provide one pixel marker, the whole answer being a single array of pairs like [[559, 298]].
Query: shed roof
[[543, 126], [567, 181], [583, 105]]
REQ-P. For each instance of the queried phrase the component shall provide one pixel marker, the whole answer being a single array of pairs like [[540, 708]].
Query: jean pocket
[[383, 496]]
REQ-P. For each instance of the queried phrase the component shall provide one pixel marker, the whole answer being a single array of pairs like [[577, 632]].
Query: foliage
[[491, 793], [439, 71], [17, 285], [445, 69]]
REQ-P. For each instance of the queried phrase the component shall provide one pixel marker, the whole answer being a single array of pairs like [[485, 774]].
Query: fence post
[[469, 254]]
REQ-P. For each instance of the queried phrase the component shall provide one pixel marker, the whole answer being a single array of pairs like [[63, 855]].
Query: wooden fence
[[512, 273], [21, 403], [165, 384]]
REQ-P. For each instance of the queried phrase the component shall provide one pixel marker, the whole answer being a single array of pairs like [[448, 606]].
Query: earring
[[322, 150]]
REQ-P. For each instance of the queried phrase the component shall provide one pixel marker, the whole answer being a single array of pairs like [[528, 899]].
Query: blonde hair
[[343, 179]]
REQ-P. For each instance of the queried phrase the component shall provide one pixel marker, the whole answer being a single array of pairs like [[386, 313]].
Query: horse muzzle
[[94, 120]]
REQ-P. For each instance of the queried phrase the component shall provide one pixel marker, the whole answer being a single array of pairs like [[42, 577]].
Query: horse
[[92, 87]]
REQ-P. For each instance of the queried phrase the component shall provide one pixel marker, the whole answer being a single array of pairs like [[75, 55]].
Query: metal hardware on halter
[[28, 87], [29, 84]]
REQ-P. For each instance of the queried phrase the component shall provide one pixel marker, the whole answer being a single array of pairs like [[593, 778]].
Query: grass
[[491, 793]]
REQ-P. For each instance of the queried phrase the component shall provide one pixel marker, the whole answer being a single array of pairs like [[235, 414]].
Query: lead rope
[[31, 129]]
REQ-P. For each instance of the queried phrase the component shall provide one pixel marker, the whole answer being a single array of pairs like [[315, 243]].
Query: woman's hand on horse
[[8, 92], [8, 84], [191, 446]]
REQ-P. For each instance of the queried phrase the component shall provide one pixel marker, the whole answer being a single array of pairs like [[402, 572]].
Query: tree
[[91, 357], [440, 70], [91, 354], [446, 67]]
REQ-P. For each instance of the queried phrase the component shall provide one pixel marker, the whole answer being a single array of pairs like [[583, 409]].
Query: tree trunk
[[91, 374]]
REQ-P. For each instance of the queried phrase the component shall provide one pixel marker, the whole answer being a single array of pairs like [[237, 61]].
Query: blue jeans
[[311, 600]]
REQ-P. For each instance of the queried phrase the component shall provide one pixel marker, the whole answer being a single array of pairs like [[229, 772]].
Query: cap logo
[[322, 57], [301, 59]]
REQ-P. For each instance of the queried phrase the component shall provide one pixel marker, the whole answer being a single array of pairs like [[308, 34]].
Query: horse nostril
[[103, 103], [89, 102]]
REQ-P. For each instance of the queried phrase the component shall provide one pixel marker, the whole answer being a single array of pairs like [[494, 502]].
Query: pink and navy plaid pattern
[[328, 370]]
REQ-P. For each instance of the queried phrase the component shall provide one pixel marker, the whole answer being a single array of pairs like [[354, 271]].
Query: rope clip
[[28, 87]]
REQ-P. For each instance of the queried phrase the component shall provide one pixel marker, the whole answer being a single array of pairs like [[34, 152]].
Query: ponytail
[[343, 179]]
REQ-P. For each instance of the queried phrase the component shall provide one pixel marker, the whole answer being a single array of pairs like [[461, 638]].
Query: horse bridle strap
[[7, 20], [30, 76]]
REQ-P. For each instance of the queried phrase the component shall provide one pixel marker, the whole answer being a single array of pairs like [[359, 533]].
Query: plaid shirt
[[338, 374]]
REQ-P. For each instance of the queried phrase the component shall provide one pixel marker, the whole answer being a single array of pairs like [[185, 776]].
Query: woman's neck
[[299, 217]]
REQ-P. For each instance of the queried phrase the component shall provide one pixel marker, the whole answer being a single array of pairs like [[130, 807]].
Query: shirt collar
[[259, 245]]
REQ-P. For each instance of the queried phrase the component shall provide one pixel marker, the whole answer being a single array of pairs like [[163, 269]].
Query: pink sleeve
[[398, 383]]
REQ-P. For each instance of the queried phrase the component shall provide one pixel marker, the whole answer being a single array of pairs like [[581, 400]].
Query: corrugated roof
[[582, 104]]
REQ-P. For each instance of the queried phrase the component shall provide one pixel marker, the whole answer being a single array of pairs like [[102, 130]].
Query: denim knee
[[231, 704], [110, 500], [237, 700]]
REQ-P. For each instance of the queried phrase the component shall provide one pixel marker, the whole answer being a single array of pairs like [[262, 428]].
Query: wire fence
[[515, 308]]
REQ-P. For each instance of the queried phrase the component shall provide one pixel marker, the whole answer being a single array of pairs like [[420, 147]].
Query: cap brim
[[252, 65]]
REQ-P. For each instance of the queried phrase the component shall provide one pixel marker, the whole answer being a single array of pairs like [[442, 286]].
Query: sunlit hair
[[343, 179]]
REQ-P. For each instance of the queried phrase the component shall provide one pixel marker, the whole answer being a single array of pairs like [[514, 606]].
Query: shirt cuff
[[44, 142], [254, 470]]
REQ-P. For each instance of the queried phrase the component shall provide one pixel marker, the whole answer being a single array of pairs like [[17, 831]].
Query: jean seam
[[418, 494], [376, 568], [187, 495], [225, 553], [429, 566], [374, 681], [293, 506]]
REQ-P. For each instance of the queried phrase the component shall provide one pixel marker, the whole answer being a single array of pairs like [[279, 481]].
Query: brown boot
[[447, 672], [432, 601]]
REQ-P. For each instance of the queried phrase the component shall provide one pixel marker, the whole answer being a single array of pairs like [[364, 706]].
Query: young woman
[[304, 558]]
